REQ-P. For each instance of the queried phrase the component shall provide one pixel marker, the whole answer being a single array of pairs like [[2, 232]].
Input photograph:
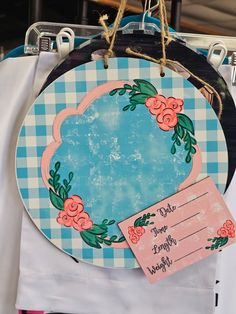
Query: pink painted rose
[[156, 104], [131, 230], [64, 219], [167, 119], [222, 232], [175, 104], [134, 238], [229, 225], [73, 206], [139, 231], [82, 222], [231, 233]]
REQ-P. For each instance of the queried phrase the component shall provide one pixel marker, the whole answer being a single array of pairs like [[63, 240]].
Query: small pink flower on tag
[[139, 230], [227, 230], [228, 225], [231, 234], [222, 232], [135, 233], [134, 238]]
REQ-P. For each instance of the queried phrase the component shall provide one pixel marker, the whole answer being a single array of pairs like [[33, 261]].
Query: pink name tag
[[180, 230]]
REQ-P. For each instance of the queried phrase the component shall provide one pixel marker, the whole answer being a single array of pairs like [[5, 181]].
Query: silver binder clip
[[233, 73]]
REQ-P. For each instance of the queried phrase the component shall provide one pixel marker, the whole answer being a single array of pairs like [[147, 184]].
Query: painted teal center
[[121, 160]]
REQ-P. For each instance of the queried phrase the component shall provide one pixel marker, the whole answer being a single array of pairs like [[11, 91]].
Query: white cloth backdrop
[[16, 90], [16, 82], [49, 279]]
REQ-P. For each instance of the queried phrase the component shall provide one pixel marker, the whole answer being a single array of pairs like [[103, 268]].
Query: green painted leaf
[[185, 122], [127, 86], [122, 92], [57, 178], [52, 173], [193, 141], [113, 238], [99, 240], [132, 93], [121, 239], [90, 239], [193, 150], [50, 181], [111, 222], [135, 88], [107, 242], [65, 182], [68, 188], [139, 98], [146, 87], [188, 158], [187, 146], [224, 241], [57, 165], [105, 221], [71, 176], [177, 141], [63, 194], [133, 107], [98, 229], [113, 92], [180, 131], [56, 187], [126, 108], [174, 136], [56, 200], [173, 149], [137, 222]]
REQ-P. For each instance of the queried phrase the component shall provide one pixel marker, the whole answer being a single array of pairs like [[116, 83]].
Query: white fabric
[[16, 90], [15, 86], [226, 270], [52, 281]]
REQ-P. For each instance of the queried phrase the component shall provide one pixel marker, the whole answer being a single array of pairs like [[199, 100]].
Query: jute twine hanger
[[110, 36]]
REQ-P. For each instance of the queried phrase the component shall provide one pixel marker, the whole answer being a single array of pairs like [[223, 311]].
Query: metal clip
[[45, 44]]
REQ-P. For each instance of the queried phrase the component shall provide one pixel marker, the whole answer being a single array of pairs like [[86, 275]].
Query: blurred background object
[[197, 16]]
